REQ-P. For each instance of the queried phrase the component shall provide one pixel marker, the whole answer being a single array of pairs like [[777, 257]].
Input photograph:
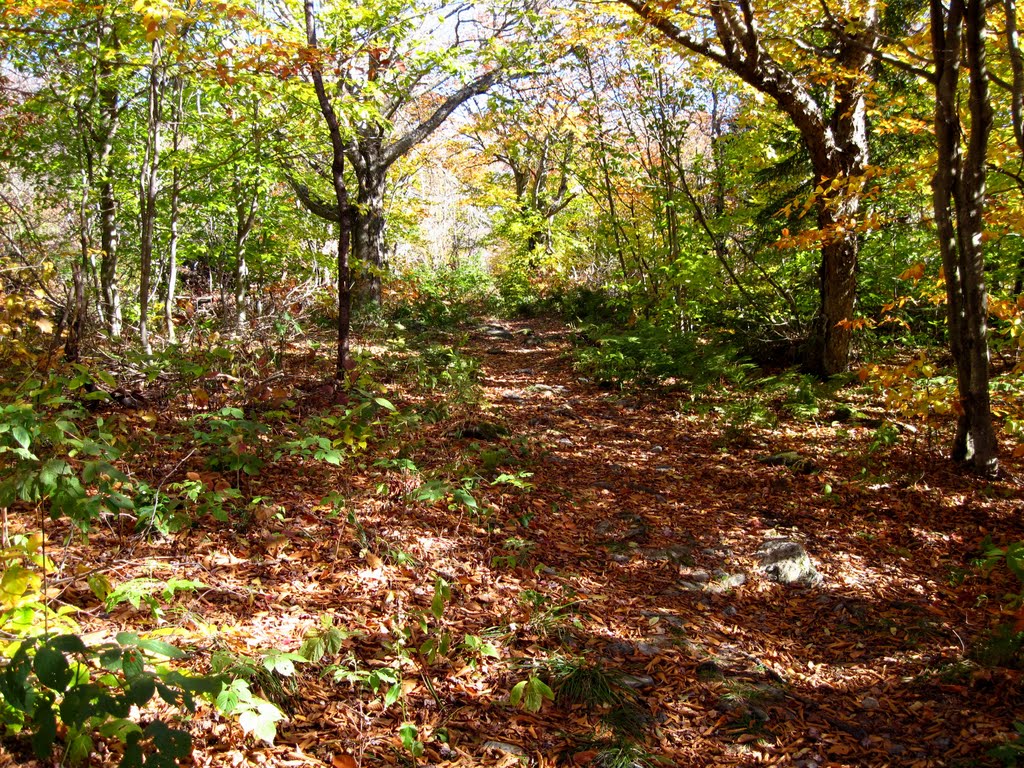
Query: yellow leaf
[[44, 325]]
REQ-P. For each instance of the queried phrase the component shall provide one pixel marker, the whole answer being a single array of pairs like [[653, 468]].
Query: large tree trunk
[[368, 229], [958, 192]]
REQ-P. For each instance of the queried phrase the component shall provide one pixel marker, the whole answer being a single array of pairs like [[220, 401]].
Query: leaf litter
[[590, 539]]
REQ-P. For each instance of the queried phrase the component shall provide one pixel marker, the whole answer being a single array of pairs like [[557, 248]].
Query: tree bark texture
[[958, 192]]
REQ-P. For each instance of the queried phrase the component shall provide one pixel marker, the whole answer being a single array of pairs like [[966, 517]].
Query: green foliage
[[616, 753], [234, 443], [1003, 646], [587, 684], [23, 611], [137, 592], [47, 457], [256, 715], [89, 690], [530, 693], [1011, 753], [441, 299], [648, 354]]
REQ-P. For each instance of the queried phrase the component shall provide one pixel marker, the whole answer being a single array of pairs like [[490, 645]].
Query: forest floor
[[603, 543]]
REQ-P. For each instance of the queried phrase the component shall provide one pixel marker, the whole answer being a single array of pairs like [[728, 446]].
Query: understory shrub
[[647, 354]]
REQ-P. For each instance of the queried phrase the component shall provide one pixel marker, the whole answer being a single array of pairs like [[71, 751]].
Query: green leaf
[[132, 663], [52, 668], [45, 720], [392, 695], [261, 721], [77, 747], [516, 694], [410, 739], [160, 648], [68, 644], [141, 690], [169, 741], [22, 436], [465, 498], [383, 403]]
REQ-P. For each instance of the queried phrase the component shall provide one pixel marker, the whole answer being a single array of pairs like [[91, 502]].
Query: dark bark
[[958, 192], [371, 158], [342, 210]]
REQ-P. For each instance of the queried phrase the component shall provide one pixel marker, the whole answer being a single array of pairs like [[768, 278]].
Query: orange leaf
[[916, 272], [344, 760]]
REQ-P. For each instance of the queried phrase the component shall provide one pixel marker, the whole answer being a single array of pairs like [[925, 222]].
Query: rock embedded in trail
[[786, 561]]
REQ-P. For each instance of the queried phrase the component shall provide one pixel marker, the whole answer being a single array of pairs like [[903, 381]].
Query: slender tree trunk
[[958, 191], [343, 210], [245, 218], [172, 245], [149, 187]]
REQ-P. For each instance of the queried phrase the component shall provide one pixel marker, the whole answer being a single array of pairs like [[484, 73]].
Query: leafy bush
[[649, 354], [430, 299], [47, 458]]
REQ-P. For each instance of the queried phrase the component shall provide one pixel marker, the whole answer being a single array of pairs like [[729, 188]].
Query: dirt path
[[652, 519]]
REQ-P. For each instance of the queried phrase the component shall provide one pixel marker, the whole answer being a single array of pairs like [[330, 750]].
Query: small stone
[[709, 670], [501, 746], [619, 557], [869, 702], [699, 577], [734, 580], [618, 648], [730, 610], [787, 562], [636, 682], [657, 449], [647, 649]]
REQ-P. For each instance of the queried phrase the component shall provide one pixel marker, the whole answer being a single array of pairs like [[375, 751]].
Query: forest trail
[[602, 542], [653, 518]]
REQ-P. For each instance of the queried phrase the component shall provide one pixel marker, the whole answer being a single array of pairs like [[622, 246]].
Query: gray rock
[[677, 553], [734, 580], [869, 702], [729, 610], [618, 648], [647, 649], [699, 577], [787, 562], [501, 746], [636, 682]]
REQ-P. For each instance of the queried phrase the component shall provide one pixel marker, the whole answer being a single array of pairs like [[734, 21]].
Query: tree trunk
[[109, 236], [245, 218], [149, 187], [172, 245], [342, 210], [368, 230], [958, 191]]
